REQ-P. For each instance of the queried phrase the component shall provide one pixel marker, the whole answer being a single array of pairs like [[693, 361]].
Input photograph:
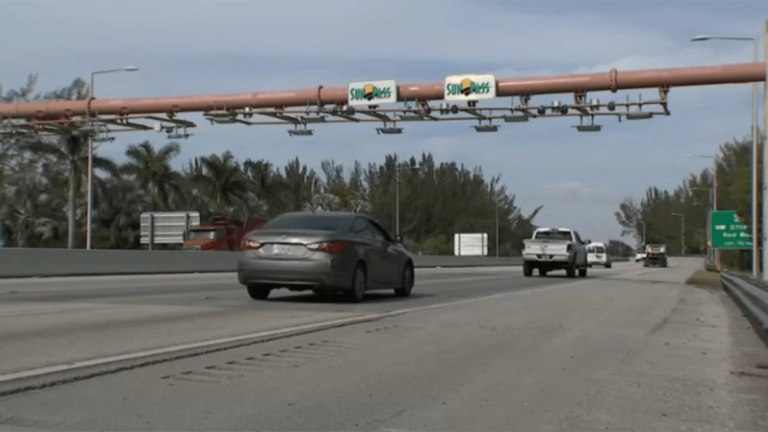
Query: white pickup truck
[[555, 249]]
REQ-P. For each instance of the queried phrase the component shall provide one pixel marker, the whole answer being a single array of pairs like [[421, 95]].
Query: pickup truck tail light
[[329, 247], [246, 244], [569, 248]]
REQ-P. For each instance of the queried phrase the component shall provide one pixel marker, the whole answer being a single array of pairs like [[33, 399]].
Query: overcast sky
[[199, 47]]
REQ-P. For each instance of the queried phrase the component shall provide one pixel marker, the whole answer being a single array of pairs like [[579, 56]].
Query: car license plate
[[279, 249]]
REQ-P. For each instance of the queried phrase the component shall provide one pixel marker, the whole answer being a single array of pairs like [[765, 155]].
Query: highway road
[[628, 348]]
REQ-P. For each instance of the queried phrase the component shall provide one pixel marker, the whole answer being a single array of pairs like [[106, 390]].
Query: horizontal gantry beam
[[321, 96]]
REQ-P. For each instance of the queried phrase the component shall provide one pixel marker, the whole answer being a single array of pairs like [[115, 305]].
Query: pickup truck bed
[[554, 249]]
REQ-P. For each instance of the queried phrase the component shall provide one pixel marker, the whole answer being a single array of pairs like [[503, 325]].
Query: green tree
[[223, 184], [152, 169]]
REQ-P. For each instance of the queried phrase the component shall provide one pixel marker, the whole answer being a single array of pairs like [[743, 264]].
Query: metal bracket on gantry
[[591, 127], [421, 112], [175, 128], [523, 108], [389, 130], [373, 111], [224, 116], [344, 111], [490, 127], [300, 129]]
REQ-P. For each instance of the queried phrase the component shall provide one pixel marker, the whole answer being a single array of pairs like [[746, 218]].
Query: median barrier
[[32, 262], [751, 294]]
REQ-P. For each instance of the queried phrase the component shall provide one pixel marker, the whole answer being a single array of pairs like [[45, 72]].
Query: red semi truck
[[223, 233]]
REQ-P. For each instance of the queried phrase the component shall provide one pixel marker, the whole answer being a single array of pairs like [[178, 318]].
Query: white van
[[597, 255]]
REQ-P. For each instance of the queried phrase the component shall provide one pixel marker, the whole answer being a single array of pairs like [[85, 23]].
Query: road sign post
[[728, 231]]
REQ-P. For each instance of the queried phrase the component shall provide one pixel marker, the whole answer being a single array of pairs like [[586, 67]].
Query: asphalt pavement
[[627, 348]]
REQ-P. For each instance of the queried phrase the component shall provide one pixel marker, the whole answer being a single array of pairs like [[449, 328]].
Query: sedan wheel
[[258, 292], [408, 281], [359, 284]]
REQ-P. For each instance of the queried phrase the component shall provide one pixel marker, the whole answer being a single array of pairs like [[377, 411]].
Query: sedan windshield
[[307, 222]]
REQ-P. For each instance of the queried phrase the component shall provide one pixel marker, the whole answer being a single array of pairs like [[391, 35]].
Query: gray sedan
[[324, 252]]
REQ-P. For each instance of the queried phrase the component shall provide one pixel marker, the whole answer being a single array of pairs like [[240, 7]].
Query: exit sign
[[728, 231]]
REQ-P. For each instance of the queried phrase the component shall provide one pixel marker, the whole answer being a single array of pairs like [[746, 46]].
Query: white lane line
[[265, 334]]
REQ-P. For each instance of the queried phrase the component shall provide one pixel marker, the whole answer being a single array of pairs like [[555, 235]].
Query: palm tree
[[222, 181], [29, 207], [268, 185], [72, 152], [302, 184], [152, 169], [120, 204]]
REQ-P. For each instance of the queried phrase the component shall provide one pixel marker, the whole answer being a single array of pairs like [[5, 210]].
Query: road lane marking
[[270, 334]]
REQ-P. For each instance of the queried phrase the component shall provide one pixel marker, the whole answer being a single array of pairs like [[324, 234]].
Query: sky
[[207, 47]]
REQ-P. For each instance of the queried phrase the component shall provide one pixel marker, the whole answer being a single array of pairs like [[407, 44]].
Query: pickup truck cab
[[555, 249], [597, 255]]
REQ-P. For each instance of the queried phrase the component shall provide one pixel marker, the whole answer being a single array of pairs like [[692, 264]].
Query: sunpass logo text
[[370, 92], [467, 87]]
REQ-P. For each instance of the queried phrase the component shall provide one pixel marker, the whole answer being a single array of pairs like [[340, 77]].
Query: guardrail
[[18, 263], [752, 294]]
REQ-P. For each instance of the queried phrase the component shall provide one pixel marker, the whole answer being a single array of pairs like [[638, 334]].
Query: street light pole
[[497, 229], [89, 208], [708, 221], [497, 226], [682, 232], [755, 154], [716, 158]]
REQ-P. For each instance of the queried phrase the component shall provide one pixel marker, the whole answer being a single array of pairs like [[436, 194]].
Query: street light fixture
[[89, 211], [755, 146]]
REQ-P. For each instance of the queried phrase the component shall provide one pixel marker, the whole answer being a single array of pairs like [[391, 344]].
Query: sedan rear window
[[307, 222]]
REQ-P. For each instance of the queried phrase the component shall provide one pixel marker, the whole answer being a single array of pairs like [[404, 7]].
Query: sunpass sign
[[372, 92], [469, 87]]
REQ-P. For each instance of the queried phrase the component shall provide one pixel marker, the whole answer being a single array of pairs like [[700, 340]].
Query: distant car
[[324, 252], [640, 256], [597, 255]]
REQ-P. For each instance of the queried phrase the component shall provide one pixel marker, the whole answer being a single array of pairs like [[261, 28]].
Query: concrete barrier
[[16, 263]]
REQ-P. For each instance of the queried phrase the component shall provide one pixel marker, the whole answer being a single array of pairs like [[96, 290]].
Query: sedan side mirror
[[398, 239]]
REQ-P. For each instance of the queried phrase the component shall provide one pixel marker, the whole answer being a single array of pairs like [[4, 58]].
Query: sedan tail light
[[330, 247], [246, 244]]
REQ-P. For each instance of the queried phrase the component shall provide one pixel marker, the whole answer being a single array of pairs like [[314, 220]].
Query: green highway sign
[[728, 231]]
